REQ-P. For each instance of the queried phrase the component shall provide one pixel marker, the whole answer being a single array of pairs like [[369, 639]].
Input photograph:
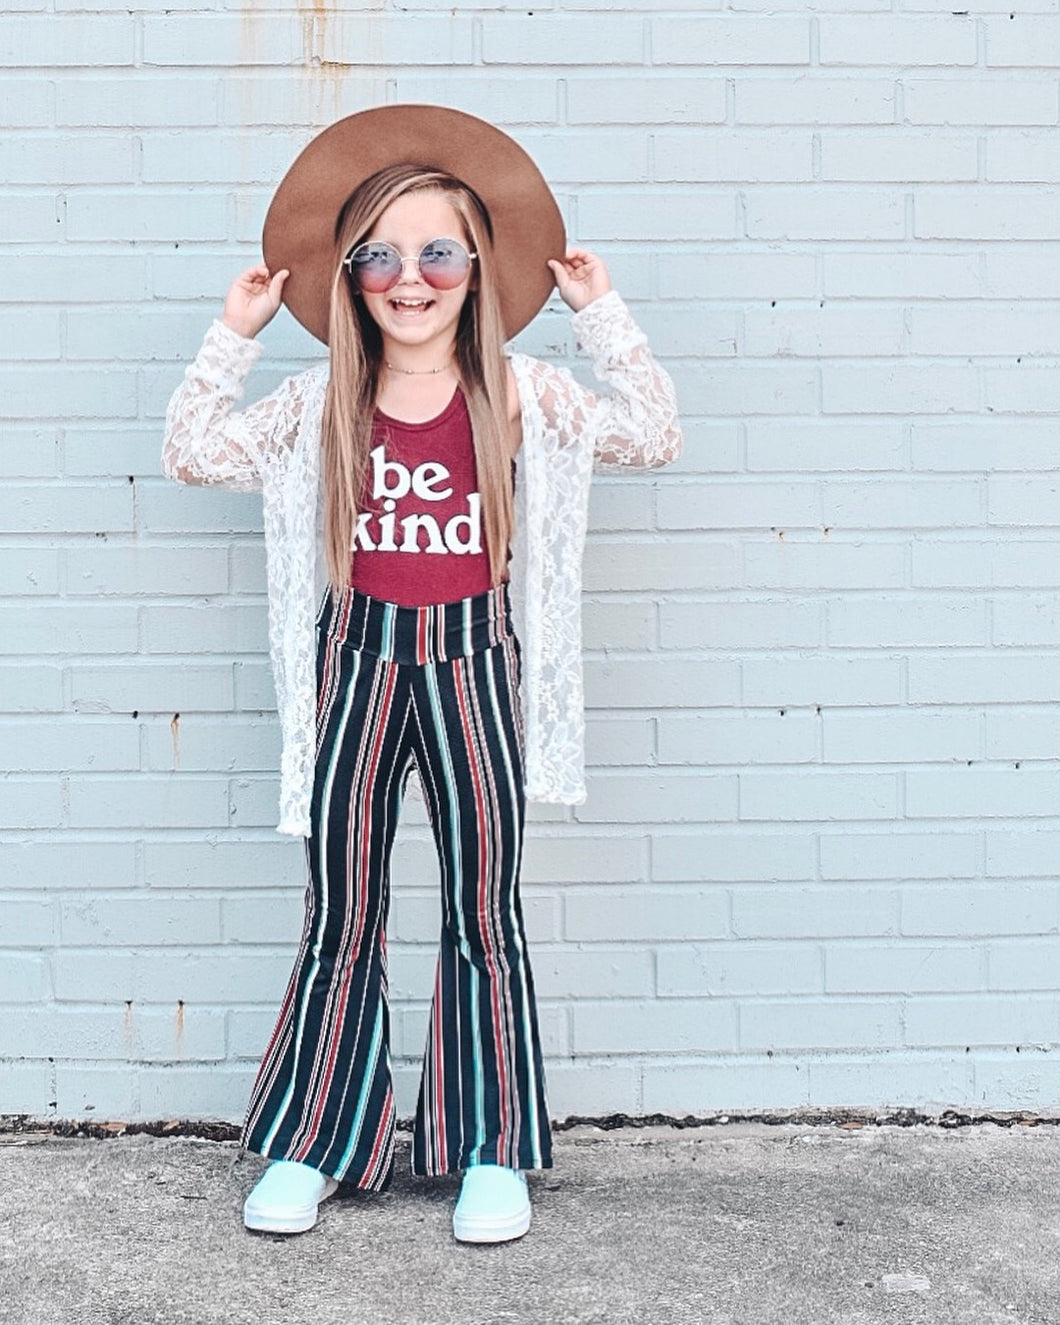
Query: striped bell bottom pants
[[436, 689]]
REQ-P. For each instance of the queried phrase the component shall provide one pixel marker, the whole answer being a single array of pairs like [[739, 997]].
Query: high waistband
[[435, 633]]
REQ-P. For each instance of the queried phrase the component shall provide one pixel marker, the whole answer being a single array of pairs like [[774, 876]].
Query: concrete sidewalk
[[744, 1223]]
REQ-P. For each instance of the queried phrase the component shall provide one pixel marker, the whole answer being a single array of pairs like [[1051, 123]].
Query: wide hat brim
[[299, 229]]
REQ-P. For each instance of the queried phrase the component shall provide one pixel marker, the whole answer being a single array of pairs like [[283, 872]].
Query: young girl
[[440, 464]]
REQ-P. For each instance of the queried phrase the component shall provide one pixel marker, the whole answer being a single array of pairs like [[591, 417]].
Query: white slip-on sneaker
[[286, 1198], [494, 1205]]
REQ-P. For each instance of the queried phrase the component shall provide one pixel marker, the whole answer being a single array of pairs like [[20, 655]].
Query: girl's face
[[413, 313]]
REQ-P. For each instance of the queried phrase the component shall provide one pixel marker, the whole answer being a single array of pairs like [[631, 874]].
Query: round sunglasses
[[377, 266]]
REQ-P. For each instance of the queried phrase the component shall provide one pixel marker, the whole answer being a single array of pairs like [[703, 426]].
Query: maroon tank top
[[419, 537]]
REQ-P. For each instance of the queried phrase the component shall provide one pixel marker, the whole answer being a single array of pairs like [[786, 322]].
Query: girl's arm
[[635, 425], [205, 442]]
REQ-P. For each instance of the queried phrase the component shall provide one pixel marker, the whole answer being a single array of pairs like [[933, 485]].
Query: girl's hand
[[253, 300], [580, 278]]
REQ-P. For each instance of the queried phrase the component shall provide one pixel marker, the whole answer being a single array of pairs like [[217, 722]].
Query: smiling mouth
[[410, 307]]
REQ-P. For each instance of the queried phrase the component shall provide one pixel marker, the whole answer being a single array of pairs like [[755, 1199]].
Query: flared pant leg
[[482, 1092], [324, 1093]]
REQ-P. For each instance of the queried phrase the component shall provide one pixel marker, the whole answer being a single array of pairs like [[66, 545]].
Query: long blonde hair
[[356, 351]]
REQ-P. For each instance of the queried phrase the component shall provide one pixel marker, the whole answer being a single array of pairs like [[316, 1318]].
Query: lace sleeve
[[205, 441], [636, 425]]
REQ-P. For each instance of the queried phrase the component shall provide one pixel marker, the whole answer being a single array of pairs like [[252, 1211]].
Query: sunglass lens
[[444, 263], [375, 267]]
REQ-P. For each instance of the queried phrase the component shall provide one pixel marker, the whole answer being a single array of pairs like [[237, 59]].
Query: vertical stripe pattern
[[433, 688]]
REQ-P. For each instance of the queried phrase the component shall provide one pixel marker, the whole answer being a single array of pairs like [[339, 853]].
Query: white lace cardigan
[[273, 447]]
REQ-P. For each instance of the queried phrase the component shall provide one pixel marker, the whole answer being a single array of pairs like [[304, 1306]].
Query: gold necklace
[[417, 372]]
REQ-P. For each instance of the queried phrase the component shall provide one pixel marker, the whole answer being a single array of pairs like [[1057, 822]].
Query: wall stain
[[330, 70], [333, 67], [317, 78], [180, 1027], [174, 731]]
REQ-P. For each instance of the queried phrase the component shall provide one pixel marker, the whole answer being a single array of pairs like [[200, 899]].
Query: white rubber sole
[[480, 1229], [287, 1220]]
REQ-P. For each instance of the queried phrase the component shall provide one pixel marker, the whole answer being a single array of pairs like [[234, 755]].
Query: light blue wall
[[818, 863]]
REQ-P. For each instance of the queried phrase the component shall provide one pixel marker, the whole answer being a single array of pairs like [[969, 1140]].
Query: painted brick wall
[[818, 863]]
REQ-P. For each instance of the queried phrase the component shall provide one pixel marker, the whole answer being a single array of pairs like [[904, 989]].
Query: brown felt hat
[[300, 225]]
